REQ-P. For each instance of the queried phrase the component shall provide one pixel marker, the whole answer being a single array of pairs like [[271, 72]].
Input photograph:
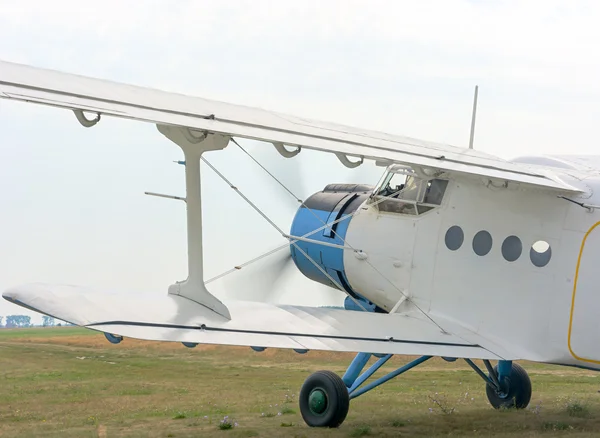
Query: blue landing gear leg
[[325, 397], [507, 384]]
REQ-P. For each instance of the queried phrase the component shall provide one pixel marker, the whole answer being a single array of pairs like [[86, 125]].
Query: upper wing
[[25, 83], [175, 318]]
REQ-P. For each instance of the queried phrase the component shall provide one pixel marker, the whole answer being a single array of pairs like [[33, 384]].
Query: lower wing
[[178, 319]]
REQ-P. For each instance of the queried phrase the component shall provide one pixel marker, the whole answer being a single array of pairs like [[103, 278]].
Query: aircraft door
[[584, 322]]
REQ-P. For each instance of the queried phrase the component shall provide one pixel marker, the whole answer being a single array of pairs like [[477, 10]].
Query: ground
[[70, 382]]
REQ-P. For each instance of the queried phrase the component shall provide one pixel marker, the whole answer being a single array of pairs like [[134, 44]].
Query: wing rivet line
[[275, 333]]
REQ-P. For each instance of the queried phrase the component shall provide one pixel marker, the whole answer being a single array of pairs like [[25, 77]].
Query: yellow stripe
[[575, 292]]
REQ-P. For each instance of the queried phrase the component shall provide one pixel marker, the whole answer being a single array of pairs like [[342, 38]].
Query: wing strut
[[193, 147]]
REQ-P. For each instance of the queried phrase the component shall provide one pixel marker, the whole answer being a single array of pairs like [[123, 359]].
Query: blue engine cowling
[[325, 207]]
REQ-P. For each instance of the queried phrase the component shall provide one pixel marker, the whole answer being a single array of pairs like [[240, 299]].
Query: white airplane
[[453, 253]]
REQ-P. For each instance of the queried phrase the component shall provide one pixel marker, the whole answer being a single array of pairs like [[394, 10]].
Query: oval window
[[454, 237], [540, 253], [482, 243], [512, 248]]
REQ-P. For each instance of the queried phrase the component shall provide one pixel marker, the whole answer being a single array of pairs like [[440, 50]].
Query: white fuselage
[[547, 313]]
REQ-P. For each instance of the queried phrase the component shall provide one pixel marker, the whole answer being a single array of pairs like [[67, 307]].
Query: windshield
[[401, 191]]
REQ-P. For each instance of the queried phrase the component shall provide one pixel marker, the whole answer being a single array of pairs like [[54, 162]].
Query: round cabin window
[[482, 243]]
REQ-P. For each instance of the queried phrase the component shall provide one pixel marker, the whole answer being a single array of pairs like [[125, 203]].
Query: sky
[[71, 199]]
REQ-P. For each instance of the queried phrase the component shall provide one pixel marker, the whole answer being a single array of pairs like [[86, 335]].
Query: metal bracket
[[428, 172], [85, 122], [346, 162], [189, 135], [490, 183], [284, 152]]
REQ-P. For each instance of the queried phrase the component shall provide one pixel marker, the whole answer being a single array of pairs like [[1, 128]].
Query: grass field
[[70, 382]]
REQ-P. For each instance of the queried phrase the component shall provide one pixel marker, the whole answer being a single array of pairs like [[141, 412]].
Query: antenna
[[473, 118]]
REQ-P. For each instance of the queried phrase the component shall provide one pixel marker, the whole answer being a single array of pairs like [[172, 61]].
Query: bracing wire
[[274, 225], [293, 242]]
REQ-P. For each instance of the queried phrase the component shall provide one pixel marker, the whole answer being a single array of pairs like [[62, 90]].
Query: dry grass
[[71, 382]]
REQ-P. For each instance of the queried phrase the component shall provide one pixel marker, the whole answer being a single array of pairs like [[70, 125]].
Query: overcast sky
[[71, 198]]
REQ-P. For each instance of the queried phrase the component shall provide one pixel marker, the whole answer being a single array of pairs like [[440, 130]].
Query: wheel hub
[[317, 401]]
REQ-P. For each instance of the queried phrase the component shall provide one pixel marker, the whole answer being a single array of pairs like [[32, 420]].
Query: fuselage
[[512, 264]]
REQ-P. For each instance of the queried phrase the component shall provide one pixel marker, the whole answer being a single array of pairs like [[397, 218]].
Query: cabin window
[[540, 253], [402, 191], [482, 243], [454, 238], [511, 248]]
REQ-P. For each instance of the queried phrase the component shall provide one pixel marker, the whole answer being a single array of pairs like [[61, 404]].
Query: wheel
[[324, 400], [517, 393], [113, 339]]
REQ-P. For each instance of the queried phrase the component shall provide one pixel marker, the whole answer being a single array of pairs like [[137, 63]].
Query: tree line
[[18, 321]]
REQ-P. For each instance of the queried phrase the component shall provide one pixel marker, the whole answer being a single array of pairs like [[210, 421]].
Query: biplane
[[453, 253]]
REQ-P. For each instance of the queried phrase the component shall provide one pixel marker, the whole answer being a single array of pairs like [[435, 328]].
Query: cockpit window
[[435, 191], [402, 191]]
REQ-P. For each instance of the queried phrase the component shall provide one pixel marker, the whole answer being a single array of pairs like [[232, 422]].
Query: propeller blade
[[284, 182], [275, 278], [294, 288], [254, 282]]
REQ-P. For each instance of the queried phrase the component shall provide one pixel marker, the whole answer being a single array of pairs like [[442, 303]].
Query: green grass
[[70, 382], [364, 430], [7, 334]]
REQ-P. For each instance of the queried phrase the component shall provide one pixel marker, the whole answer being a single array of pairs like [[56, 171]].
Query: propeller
[[274, 278]]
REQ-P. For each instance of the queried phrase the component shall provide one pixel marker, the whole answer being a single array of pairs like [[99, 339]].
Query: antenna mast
[[472, 137]]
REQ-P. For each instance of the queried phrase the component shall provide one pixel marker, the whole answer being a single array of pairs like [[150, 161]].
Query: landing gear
[[507, 384], [325, 397], [113, 339], [514, 391], [324, 400]]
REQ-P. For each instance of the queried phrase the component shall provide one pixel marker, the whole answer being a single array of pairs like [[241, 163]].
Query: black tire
[[328, 387], [519, 390]]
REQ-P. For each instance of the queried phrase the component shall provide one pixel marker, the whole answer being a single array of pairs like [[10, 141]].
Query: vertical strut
[[355, 368], [193, 287], [194, 214], [504, 370]]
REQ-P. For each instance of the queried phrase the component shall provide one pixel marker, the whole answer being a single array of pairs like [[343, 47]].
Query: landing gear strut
[[507, 384], [325, 397]]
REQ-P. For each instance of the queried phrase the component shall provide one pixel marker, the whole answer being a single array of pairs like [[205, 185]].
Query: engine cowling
[[326, 207]]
